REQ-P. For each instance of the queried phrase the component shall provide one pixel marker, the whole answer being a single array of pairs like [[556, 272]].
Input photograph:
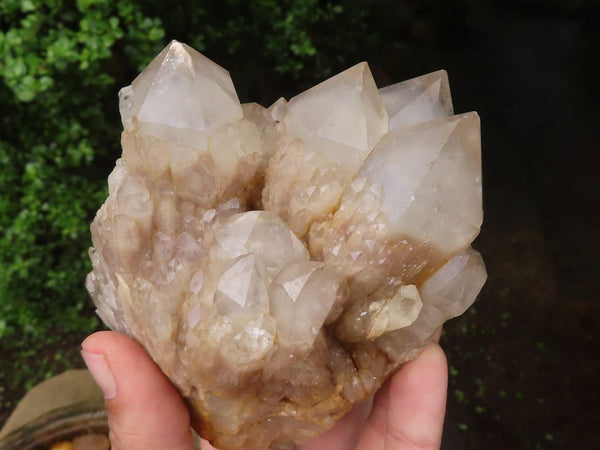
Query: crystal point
[[239, 281], [280, 263], [183, 89], [358, 122], [420, 176], [292, 295], [331, 129], [418, 100]]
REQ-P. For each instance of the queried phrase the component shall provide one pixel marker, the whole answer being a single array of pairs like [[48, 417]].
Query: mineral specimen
[[278, 264]]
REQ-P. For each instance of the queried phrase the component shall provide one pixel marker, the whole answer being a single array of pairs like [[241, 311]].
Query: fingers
[[373, 435], [418, 402], [408, 412], [205, 445], [144, 409]]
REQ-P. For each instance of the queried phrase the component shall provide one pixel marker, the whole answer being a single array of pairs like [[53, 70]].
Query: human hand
[[145, 411]]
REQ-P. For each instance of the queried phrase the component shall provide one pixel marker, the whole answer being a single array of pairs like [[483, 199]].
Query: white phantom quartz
[[280, 263]]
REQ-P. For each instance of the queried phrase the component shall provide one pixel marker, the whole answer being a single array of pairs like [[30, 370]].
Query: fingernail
[[100, 371]]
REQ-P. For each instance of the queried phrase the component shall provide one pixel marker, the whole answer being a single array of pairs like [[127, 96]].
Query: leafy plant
[[58, 71]]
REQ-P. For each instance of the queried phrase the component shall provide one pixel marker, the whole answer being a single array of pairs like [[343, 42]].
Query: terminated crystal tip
[[330, 130], [417, 100], [357, 122], [182, 89], [279, 264]]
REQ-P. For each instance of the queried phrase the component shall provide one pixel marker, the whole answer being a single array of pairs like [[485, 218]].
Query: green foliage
[[57, 92], [278, 33], [278, 47]]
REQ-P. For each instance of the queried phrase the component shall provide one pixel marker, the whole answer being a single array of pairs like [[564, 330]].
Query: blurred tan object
[[58, 409]]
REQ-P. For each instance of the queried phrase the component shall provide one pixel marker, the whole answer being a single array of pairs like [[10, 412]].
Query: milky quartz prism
[[329, 131], [280, 263]]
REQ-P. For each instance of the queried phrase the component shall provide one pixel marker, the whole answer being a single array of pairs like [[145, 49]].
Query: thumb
[[417, 402], [144, 409]]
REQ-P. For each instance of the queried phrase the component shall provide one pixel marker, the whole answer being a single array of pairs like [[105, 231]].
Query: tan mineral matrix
[[279, 264]]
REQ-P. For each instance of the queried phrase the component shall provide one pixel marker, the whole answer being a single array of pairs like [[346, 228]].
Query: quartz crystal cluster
[[279, 263]]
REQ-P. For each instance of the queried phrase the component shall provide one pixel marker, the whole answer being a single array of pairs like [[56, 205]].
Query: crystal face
[[279, 264]]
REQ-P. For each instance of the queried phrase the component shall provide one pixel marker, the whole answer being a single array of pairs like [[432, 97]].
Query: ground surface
[[524, 360]]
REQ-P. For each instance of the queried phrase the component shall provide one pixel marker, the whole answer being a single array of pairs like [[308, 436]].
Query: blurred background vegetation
[[62, 63]]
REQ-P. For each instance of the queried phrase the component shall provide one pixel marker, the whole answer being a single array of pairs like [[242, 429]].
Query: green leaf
[[27, 6]]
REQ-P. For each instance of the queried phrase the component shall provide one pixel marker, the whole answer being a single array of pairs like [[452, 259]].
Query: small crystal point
[[454, 287], [260, 233], [399, 311], [241, 282], [417, 100], [292, 295], [448, 293], [374, 318]]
